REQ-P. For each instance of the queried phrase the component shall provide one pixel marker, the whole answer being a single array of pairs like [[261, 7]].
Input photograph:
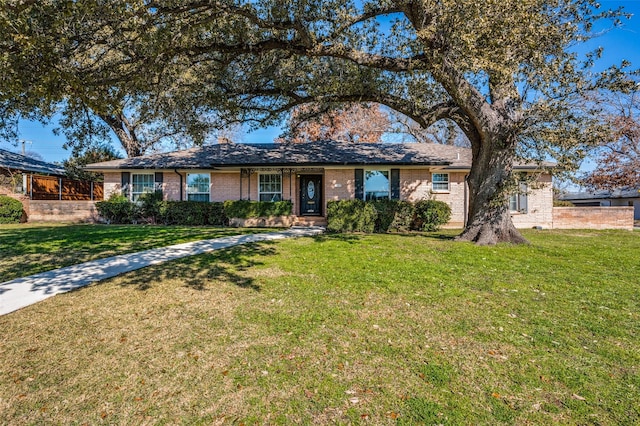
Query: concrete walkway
[[26, 291]]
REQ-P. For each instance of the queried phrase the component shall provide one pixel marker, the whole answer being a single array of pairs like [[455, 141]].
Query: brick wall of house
[[226, 186], [339, 184], [539, 206], [61, 211], [171, 186], [593, 218]]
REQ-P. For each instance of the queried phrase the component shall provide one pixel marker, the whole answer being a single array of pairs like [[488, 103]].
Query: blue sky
[[619, 43]]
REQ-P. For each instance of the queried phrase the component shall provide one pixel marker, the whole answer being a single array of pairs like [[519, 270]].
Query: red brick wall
[[593, 218]]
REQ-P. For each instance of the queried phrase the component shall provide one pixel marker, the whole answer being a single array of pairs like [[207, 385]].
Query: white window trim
[[441, 191], [197, 193], [271, 193], [132, 185], [364, 180]]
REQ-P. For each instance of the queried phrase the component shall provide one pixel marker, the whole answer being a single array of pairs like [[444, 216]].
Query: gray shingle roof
[[17, 162], [314, 154], [291, 155]]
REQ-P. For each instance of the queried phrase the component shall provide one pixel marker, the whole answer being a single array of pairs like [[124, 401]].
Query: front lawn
[[376, 329], [27, 249]]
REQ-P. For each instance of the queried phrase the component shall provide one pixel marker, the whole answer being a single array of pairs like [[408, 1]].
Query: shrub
[[192, 213], [351, 216], [244, 209], [430, 215], [118, 209], [149, 206], [216, 215], [393, 215], [562, 203], [10, 210]]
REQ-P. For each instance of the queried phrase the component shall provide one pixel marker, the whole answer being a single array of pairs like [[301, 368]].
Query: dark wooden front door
[[310, 195]]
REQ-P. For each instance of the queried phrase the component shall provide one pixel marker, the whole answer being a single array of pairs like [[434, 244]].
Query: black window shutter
[[125, 178], [359, 178], [395, 184], [158, 181]]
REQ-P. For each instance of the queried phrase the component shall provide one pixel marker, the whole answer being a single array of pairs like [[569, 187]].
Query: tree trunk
[[489, 221], [126, 135]]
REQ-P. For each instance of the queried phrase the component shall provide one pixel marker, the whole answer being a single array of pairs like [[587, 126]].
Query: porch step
[[310, 221]]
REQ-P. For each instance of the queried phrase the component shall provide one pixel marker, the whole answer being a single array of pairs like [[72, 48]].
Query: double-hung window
[[270, 187], [376, 185], [440, 182], [198, 185], [141, 183]]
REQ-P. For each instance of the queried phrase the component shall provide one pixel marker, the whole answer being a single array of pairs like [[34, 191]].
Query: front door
[[310, 195]]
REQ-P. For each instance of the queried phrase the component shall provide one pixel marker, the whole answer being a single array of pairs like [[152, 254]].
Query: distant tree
[[74, 165], [34, 155], [618, 161], [444, 132], [365, 123]]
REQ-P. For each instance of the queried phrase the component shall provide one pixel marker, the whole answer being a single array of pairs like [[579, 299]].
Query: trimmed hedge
[[152, 209], [393, 215], [192, 213], [351, 216], [10, 210], [118, 209], [244, 209], [386, 216], [431, 214]]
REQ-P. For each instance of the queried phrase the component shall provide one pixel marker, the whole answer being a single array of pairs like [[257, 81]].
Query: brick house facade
[[312, 174]]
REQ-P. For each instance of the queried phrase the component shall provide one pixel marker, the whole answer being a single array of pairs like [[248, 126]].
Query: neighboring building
[[310, 174], [12, 165], [606, 198]]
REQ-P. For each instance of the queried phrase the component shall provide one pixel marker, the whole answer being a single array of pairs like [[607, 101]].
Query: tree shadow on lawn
[[347, 238], [353, 238], [197, 271], [445, 236], [38, 249]]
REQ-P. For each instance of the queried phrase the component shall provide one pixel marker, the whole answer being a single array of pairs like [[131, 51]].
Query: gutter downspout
[[466, 200], [181, 189]]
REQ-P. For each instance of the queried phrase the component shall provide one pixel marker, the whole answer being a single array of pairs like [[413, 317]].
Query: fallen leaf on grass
[[354, 400], [364, 416], [308, 394], [392, 415], [578, 397], [496, 395]]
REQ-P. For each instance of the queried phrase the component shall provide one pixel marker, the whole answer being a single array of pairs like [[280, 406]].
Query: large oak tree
[[505, 71]]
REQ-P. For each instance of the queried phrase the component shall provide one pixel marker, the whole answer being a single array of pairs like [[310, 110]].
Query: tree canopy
[[618, 164], [504, 71]]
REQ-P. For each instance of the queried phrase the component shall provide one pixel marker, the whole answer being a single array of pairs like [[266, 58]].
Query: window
[[198, 186], [440, 182], [376, 185], [141, 184], [518, 202], [270, 187]]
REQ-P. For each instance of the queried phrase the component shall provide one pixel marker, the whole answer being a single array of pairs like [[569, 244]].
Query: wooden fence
[[54, 188]]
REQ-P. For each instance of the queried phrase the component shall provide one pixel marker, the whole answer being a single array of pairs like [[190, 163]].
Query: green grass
[[27, 249], [379, 329]]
